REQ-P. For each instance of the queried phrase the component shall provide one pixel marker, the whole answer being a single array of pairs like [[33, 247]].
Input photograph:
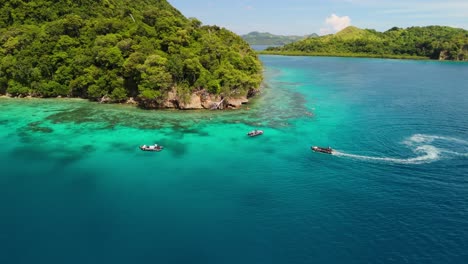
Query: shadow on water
[[263, 111], [88, 149], [28, 134], [78, 115], [192, 130], [59, 155], [111, 116], [270, 150], [177, 148], [118, 146], [24, 136], [35, 127]]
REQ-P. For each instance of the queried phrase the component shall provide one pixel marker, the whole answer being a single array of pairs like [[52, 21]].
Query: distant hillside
[[432, 42], [114, 50], [260, 38]]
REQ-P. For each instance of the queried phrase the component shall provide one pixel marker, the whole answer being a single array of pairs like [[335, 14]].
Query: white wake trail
[[421, 138], [421, 146], [428, 154]]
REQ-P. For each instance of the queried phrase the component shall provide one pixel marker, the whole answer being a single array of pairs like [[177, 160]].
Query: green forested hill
[[265, 38], [433, 42], [144, 49]]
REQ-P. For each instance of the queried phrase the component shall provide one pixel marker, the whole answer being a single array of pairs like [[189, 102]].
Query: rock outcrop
[[199, 100], [194, 103], [237, 102], [131, 101], [443, 55]]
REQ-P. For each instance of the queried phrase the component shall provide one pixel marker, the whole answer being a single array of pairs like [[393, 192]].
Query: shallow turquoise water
[[74, 187]]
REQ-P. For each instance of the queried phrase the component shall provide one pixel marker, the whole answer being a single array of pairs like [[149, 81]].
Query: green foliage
[[433, 42], [149, 94], [119, 94], [16, 88], [3, 85], [261, 38], [51, 89], [214, 87], [118, 48], [184, 93]]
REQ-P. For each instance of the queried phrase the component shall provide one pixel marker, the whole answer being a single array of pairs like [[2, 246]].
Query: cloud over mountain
[[335, 23]]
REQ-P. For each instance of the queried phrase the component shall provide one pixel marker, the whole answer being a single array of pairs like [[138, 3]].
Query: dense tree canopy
[[118, 49], [434, 42]]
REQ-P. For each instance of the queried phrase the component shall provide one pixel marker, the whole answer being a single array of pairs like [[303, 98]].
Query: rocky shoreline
[[197, 100]]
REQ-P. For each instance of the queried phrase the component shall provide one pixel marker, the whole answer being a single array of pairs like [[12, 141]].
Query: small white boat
[[254, 133], [154, 147]]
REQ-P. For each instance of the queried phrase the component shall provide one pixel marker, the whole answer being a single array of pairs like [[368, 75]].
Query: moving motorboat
[[154, 147], [326, 150], [254, 133]]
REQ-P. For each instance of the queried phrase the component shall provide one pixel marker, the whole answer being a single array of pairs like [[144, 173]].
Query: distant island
[[432, 42], [138, 51], [265, 38]]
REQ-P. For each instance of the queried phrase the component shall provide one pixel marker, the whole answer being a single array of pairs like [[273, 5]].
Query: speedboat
[[326, 150], [254, 133], [154, 147]]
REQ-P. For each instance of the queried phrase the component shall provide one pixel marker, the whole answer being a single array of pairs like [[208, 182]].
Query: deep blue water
[[74, 187]]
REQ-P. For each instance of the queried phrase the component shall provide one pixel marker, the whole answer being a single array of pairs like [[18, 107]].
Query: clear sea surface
[[75, 188]]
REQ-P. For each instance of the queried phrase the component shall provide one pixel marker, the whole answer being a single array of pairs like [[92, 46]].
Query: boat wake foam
[[422, 146]]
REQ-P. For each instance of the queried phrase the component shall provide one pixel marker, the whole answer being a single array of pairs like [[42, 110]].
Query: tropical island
[[144, 52], [431, 42], [265, 38]]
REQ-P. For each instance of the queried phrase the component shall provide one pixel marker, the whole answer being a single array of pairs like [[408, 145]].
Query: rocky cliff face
[[443, 55], [456, 55], [198, 100]]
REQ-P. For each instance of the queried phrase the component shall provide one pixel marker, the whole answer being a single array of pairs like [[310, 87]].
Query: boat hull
[[322, 150], [255, 133], [151, 149]]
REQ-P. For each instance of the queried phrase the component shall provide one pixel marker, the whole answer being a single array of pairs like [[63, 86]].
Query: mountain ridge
[[266, 38], [431, 42]]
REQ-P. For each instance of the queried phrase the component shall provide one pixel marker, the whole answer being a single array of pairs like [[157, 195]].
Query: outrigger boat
[[154, 147], [327, 150], [254, 133]]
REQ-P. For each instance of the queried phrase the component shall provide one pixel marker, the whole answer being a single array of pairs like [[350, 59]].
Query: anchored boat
[[154, 147], [254, 133]]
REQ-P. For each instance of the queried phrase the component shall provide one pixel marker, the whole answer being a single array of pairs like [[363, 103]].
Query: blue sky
[[300, 17]]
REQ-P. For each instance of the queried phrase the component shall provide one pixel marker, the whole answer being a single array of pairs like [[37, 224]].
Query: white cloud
[[335, 23]]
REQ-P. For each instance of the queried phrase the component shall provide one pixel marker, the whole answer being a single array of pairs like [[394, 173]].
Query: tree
[[52, 89], [119, 94], [137, 48], [17, 89]]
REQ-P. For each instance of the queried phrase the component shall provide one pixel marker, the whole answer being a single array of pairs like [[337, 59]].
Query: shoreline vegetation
[[416, 43], [194, 104], [141, 52], [344, 55]]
